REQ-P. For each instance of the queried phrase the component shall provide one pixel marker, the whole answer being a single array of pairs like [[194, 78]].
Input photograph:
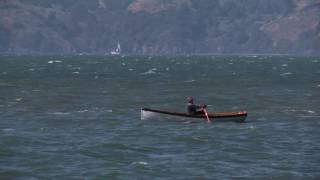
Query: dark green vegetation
[[160, 26]]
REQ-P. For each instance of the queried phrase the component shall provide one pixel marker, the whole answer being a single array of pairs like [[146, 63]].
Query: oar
[[206, 113]]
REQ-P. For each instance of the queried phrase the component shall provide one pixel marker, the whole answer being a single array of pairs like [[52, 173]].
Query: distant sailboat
[[117, 51]]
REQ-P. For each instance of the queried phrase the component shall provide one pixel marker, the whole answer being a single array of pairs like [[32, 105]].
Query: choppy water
[[79, 117]]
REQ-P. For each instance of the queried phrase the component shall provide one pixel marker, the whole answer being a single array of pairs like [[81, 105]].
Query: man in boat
[[193, 108]]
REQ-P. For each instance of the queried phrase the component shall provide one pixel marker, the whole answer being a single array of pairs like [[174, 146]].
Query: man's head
[[190, 99]]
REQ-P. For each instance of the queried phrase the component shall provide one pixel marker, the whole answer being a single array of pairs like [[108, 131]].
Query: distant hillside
[[160, 26]]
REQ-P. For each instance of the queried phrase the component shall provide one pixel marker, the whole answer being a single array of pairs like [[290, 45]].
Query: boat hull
[[239, 116]]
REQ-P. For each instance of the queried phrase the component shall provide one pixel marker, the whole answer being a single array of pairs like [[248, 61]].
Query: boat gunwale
[[211, 115]]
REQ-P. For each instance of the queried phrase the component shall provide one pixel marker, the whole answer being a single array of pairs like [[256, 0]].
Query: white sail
[[118, 47], [117, 51]]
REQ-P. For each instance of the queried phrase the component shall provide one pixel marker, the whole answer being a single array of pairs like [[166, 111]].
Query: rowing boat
[[239, 116]]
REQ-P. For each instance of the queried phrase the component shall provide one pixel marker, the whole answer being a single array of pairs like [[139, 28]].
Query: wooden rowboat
[[239, 116]]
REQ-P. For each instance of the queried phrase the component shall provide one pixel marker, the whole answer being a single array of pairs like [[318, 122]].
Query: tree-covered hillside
[[160, 26]]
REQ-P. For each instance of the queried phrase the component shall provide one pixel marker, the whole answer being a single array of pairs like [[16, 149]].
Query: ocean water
[[78, 117]]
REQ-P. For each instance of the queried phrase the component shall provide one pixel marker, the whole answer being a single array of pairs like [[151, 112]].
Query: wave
[[54, 61], [286, 74], [190, 81], [150, 71], [8, 130], [60, 113], [139, 163]]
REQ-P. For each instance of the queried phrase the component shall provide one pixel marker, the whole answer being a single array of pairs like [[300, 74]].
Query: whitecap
[[58, 61], [310, 112], [50, 62], [140, 163], [76, 72], [123, 64], [31, 69], [82, 111], [130, 69], [151, 71], [19, 99], [286, 74], [60, 113], [167, 69], [284, 65], [110, 111]]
